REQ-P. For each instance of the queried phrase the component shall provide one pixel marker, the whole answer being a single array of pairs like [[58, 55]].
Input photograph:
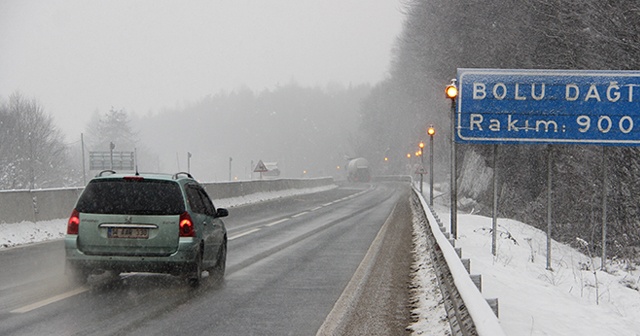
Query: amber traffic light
[[452, 90]]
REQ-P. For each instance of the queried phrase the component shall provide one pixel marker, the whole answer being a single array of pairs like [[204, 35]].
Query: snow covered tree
[[440, 36], [112, 127], [32, 150]]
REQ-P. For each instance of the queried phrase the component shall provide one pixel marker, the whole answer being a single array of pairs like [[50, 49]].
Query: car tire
[[217, 272], [194, 278]]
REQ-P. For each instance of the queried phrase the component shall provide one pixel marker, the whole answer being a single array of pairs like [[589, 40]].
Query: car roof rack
[[177, 175], [111, 172]]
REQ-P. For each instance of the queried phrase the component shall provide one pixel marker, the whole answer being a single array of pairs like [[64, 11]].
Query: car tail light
[[74, 222], [133, 178], [186, 225]]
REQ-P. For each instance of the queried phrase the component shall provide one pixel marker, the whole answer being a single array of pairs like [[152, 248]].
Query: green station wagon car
[[146, 223]]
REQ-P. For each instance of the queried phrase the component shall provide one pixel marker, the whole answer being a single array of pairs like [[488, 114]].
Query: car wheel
[[195, 277], [217, 272]]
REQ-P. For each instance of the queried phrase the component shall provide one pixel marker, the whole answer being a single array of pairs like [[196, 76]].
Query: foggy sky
[[76, 57]]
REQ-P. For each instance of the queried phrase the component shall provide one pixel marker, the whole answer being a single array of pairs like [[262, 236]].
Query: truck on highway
[[358, 170]]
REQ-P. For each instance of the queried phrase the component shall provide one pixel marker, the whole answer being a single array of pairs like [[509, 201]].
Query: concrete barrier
[[54, 203], [16, 206], [242, 188], [46, 204]]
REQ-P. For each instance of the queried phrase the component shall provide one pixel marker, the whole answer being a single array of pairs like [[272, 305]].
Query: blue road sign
[[548, 106]]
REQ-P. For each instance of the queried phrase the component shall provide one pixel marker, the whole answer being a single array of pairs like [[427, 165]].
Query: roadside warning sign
[[260, 168]]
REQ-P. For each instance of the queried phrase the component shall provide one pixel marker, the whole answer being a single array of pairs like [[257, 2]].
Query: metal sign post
[[549, 205], [260, 168], [603, 259], [494, 233]]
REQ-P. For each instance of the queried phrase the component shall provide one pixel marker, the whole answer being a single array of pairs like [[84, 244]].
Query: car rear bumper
[[179, 262]]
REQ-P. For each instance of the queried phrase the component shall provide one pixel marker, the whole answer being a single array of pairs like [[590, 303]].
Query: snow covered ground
[[533, 301]]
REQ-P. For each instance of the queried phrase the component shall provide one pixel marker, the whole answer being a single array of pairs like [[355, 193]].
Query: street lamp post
[[431, 131], [451, 92], [421, 145], [84, 174], [112, 146]]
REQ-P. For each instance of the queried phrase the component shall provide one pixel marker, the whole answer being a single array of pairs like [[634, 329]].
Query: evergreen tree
[[112, 127]]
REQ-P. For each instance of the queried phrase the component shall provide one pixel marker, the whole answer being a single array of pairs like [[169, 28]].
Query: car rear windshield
[[131, 196]]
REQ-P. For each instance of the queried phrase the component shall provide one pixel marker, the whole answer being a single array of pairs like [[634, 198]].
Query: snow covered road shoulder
[[16, 234]]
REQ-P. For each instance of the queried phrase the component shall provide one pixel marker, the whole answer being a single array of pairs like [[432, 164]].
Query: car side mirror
[[222, 212]]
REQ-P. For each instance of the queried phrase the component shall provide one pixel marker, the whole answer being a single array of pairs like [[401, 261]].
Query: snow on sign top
[[548, 106], [260, 167]]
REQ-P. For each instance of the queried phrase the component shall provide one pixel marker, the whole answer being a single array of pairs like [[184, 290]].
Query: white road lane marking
[[277, 222], [80, 290], [300, 214], [293, 216], [243, 234], [50, 300]]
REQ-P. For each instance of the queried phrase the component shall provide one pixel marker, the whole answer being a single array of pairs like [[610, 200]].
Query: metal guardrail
[[468, 312]]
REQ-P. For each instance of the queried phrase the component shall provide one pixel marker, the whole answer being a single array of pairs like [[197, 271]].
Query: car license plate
[[132, 233]]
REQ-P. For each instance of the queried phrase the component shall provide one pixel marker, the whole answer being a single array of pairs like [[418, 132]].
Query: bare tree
[[440, 36], [32, 150]]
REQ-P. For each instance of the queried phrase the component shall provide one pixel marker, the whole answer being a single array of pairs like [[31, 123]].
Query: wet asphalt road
[[288, 262]]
